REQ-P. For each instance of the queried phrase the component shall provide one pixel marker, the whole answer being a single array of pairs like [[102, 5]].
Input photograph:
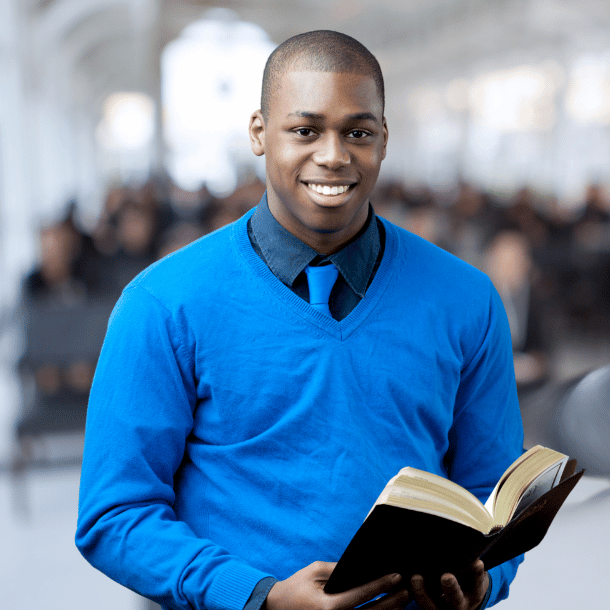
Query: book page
[[448, 494], [441, 509], [490, 504], [531, 474], [545, 482], [445, 504], [427, 492], [410, 476]]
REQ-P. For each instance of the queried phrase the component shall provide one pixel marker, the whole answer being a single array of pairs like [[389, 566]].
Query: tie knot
[[321, 281]]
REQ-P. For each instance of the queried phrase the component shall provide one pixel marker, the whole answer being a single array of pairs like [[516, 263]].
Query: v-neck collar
[[342, 329], [287, 256]]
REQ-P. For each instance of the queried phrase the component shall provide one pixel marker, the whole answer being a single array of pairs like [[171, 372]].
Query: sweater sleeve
[[487, 434], [140, 415]]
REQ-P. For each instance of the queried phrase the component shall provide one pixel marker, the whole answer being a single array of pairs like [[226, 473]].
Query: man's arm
[[140, 415], [487, 434]]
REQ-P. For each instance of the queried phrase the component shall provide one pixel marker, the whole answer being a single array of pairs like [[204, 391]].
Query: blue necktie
[[321, 281]]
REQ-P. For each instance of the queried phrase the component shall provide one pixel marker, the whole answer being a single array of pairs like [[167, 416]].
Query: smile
[[329, 190]]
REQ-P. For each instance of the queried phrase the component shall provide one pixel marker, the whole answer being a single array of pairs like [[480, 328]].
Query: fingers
[[369, 591], [452, 592], [454, 595], [304, 590], [420, 593], [320, 570], [481, 580], [392, 601]]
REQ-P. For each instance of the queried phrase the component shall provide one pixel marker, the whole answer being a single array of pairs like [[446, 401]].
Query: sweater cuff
[[487, 595], [233, 587], [259, 595]]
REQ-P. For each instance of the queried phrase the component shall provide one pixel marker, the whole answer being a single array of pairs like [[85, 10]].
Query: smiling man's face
[[324, 140]]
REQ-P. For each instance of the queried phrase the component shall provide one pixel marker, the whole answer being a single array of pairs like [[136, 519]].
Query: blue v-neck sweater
[[234, 432]]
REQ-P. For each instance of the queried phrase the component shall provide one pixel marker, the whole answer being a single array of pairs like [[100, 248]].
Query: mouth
[[331, 190]]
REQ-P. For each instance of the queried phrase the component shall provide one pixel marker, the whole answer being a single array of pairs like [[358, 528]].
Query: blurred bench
[[62, 345]]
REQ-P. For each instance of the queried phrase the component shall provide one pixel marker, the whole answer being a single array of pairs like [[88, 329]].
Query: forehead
[[323, 92]]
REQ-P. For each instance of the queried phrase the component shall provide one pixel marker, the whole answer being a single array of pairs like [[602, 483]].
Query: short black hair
[[319, 51]]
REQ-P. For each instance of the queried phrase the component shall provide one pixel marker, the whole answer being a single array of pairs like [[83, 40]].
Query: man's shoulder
[[459, 297], [202, 263], [430, 262]]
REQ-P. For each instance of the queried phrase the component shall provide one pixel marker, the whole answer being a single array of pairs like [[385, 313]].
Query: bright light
[[426, 104], [456, 94], [588, 94], [520, 99], [211, 79], [127, 122]]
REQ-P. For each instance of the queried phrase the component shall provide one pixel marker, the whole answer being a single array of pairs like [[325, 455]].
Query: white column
[[17, 240]]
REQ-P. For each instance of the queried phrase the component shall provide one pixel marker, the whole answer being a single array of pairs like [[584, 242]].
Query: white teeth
[[328, 190]]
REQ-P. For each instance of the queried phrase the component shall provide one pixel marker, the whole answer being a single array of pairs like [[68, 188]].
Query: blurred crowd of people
[[136, 227], [67, 298], [550, 265]]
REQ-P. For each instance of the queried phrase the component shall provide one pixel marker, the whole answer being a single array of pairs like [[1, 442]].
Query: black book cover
[[405, 541]]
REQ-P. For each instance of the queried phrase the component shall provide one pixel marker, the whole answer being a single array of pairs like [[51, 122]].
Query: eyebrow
[[359, 116]]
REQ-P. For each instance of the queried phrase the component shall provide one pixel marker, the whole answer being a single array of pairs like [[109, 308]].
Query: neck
[[324, 243], [323, 240]]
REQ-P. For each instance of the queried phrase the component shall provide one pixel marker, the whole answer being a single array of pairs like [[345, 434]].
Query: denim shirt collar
[[287, 256]]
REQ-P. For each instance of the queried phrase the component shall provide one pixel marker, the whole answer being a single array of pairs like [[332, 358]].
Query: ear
[[256, 131], [385, 137]]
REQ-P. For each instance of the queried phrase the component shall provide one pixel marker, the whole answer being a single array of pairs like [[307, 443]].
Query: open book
[[425, 524]]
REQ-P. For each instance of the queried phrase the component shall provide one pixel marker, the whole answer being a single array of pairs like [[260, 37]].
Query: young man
[[243, 421]]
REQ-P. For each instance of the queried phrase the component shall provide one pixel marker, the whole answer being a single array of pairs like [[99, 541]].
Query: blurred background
[[123, 136]]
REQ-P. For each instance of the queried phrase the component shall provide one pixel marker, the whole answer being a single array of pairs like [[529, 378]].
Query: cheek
[[371, 167], [373, 163], [286, 163], [291, 155]]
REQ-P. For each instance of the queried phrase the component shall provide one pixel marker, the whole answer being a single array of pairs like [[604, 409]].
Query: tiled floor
[[40, 566]]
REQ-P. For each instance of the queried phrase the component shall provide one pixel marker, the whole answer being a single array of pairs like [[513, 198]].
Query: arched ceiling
[[103, 45]]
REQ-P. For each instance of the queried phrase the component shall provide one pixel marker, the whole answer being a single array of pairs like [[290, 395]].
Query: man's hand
[[467, 594], [304, 590]]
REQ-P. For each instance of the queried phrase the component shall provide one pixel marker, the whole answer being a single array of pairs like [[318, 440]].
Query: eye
[[358, 134], [304, 132]]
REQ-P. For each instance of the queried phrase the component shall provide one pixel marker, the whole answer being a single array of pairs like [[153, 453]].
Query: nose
[[332, 152]]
